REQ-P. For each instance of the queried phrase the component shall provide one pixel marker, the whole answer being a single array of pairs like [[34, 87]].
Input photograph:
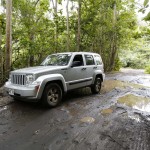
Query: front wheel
[[52, 95], [97, 86]]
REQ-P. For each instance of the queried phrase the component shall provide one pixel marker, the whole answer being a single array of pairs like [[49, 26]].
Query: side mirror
[[76, 64]]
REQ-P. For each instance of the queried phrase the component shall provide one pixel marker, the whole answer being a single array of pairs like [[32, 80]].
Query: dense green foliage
[[147, 70], [34, 31], [108, 27], [138, 53]]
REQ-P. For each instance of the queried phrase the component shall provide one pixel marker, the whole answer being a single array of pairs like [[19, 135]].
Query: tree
[[67, 24], [56, 23], [1, 55], [8, 36], [79, 25], [114, 38], [40, 28]]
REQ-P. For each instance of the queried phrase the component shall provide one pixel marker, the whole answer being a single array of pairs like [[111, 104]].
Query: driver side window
[[77, 61]]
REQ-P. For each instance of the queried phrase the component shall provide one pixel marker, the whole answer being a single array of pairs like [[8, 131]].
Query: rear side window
[[98, 60], [89, 60]]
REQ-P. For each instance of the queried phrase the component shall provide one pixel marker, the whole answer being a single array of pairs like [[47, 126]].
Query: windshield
[[56, 60]]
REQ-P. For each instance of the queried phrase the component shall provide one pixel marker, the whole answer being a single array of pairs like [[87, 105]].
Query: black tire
[[15, 99], [95, 89], [52, 95]]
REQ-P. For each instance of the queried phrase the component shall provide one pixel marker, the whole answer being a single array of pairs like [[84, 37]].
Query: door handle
[[64, 69], [83, 69], [94, 67]]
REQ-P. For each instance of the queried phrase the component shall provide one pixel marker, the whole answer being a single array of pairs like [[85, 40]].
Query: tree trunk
[[31, 38], [31, 56], [79, 26], [68, 37], [113, 43], [1, 59], [56, 23], [56, 27], [8, 36]]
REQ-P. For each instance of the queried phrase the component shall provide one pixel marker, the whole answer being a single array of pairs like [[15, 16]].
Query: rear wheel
[[16, 99], [52, 95], [97, 86]]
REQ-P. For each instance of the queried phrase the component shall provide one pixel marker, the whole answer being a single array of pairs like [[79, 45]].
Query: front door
[[76, 74]]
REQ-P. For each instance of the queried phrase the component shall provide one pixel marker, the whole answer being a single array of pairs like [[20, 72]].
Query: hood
[[37, 69]]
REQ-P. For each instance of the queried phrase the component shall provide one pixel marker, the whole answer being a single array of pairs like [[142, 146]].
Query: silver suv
[[56, 75]]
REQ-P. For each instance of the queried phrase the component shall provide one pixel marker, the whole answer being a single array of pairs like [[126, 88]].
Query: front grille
[[18, 79]]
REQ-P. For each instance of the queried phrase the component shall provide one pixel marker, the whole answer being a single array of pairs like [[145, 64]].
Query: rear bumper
[[22, 92]]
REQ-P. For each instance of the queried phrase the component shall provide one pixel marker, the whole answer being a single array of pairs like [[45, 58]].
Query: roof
[[77, 53]]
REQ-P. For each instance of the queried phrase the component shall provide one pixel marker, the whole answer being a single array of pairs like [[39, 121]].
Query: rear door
[[90, 67]]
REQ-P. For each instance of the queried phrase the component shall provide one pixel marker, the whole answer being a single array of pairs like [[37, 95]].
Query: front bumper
[[103, 76], [22, 92]]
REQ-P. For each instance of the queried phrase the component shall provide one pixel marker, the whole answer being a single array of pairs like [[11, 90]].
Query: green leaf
[[147, 6], [140, 10], [147, 18], [146, 2]]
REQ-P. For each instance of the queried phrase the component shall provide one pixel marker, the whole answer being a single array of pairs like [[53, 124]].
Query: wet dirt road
[[116, 119]]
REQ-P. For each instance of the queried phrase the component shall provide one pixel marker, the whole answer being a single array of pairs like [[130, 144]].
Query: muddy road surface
[[116, 119]]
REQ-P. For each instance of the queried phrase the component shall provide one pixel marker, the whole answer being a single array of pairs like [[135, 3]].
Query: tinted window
[[89, 60], [78, 60]]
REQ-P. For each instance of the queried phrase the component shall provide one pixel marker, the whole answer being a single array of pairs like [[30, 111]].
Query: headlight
[[29, 79]]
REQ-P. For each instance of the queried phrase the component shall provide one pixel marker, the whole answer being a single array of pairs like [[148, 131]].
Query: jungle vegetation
[[32, 29]]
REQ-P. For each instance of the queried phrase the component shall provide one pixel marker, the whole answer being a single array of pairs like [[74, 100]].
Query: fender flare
[[98, 72], [43, 80]]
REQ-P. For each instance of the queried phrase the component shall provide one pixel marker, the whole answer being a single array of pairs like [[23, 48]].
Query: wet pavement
[[116, 119]]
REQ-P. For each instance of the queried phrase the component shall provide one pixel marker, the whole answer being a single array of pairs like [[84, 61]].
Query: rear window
[[89, 60]]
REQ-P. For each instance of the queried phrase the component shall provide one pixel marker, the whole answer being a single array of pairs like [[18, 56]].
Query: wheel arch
[[54, 78], [59, 82], [99, 76], [96, 76]]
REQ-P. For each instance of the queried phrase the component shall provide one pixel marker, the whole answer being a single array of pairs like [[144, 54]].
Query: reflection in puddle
[[70, 110], [136, 118], [106, 111], [4, 108], [109, 85], [87, 120], [136, 102]]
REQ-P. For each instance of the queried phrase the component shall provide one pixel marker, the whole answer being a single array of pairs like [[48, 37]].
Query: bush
[[147, 69], [118, 64]]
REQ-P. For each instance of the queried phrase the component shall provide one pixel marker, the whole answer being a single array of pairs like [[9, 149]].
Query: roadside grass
[[147, 69]]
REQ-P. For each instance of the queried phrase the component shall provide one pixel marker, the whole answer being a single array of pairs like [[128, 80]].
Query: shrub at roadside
[[147, 69]]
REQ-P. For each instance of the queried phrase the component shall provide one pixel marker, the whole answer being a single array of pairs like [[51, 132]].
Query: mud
[[116, 119], [87, 120], [107, 111]]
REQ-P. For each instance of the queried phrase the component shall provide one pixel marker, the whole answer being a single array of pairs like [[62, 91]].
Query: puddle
[[70, 110], [136, 102], [136, 118], [87, 120], [106, 111], [109, 85], [4, 108]]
